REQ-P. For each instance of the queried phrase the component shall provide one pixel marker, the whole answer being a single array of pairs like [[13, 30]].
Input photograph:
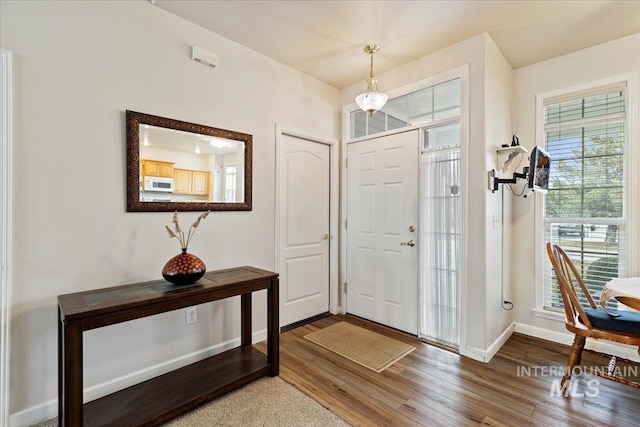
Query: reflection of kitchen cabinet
[[181, 181], [157, 168], [200, 182], [187, 181]]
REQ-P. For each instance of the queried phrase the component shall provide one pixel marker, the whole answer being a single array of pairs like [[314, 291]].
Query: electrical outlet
[[192, 315]]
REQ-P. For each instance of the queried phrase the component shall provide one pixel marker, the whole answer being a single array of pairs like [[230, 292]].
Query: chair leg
[[575, 356]]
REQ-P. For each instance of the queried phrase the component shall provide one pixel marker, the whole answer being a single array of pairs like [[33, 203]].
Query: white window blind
[[584, 211]]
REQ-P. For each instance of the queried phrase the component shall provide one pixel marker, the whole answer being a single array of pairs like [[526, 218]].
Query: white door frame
[[5, 229], [334, 228]]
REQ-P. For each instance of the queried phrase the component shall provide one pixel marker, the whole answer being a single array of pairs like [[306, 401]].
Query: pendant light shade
[[372, 100]]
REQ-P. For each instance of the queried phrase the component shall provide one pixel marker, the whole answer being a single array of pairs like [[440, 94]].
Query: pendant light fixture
[[372, 100]]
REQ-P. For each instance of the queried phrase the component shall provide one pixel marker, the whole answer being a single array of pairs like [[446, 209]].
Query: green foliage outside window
[[587, 182]]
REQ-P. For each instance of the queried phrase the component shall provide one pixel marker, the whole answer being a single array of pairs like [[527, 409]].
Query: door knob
[[327, 236], [409, 243]]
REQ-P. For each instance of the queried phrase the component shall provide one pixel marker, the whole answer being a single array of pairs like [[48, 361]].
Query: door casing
[[5, 230], [334, 202]]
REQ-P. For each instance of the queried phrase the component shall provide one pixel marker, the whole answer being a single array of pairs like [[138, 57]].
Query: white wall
[[78, 66], [180, 159], [498, 130], [610, 59]]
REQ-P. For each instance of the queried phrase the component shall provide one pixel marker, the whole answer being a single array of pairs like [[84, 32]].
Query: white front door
[[382, 220], [303, 228]]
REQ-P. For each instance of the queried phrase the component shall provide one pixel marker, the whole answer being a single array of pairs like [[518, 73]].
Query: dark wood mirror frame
[[134, 120]]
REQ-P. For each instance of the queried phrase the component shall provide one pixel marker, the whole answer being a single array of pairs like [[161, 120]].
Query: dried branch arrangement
[[179, 234]]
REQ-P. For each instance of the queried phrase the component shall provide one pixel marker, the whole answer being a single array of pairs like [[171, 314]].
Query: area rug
[[367, 348], [265, 402]]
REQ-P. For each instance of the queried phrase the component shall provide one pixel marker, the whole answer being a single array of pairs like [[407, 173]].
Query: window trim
[[631, 175]]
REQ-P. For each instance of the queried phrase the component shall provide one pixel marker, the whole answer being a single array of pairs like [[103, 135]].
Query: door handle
[[411, 243], [327, 236]]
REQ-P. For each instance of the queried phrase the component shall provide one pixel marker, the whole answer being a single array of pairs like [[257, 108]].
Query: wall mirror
[[175, 165]]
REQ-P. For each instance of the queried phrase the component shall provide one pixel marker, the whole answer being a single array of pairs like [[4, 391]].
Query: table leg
[[70, 374], [245, 321], [60, 370], [273, 328]]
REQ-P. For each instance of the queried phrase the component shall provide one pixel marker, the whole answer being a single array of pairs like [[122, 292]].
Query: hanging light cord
[[371, 81]]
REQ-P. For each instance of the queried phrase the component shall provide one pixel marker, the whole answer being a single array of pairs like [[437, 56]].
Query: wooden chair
[[591, 322]]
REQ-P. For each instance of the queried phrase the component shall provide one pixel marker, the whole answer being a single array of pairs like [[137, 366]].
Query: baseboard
[[49, 409], [485, 355], [601, 346], [303, 322]]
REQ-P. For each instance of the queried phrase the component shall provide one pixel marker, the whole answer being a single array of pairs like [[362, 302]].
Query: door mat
[[369, 349]]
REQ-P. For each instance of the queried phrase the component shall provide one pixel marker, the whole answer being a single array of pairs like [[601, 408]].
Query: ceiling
[[188, 142], [325, 39]]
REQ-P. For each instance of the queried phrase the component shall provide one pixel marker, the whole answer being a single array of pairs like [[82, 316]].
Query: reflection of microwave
[[157, 183]]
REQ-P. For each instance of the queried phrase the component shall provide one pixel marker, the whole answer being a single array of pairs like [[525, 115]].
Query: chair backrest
[[568, 276]]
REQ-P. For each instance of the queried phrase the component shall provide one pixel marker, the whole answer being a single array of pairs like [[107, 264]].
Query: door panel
[[303, 223], [307, 270], [382, 274]]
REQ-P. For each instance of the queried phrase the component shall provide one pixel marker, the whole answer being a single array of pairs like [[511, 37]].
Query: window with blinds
[[584, 210]]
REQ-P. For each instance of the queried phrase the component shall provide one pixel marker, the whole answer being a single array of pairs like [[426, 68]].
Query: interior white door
[[303, 228], [382, 218]]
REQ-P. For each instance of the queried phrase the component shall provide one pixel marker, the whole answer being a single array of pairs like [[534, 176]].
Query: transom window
[[423, 106]]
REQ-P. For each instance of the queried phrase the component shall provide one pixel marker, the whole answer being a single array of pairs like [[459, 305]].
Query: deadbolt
[[412, 229]]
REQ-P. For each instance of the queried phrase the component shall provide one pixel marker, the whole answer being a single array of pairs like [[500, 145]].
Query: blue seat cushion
[[627, 322]]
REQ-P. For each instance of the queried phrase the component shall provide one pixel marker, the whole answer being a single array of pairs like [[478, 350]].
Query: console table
[[162, 398]]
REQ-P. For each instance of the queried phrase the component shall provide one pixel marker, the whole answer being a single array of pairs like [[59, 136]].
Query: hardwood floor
[[435, 387]]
